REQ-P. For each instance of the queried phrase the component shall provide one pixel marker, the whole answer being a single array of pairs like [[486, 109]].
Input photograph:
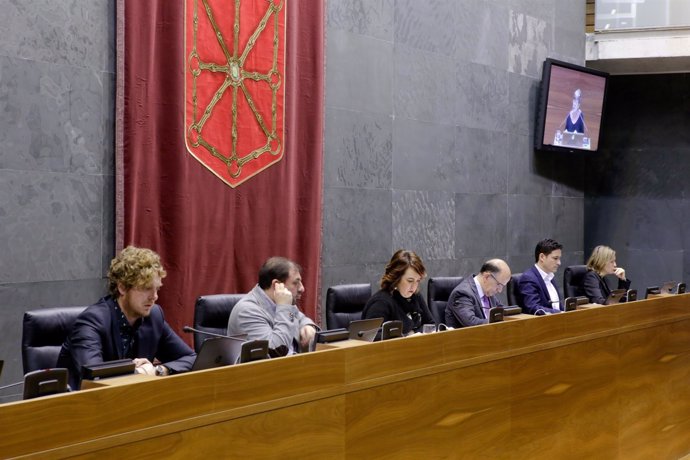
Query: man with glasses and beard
[[471, 300]]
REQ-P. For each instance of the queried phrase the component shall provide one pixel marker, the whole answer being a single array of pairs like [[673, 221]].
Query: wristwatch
[[161, 370]]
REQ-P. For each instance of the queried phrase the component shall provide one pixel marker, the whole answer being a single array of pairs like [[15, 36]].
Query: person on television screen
[[536, 291], [575, 122], [399, 298], [127, 324], [471, 300], [602, 262], [270, 312]]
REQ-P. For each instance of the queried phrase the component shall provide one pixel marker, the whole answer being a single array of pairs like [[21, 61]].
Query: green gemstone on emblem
[[235, 71]]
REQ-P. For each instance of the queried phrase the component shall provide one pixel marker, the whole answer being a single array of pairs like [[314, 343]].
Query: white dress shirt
[[553, 293]]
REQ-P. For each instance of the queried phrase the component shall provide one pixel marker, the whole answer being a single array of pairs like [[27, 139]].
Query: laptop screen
[[219, 351], [616, 296], [364, 329]]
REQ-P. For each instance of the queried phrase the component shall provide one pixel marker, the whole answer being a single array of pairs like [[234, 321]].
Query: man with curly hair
[[127, 323]]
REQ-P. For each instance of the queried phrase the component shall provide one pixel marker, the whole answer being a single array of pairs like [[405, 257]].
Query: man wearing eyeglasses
[[471, 300]]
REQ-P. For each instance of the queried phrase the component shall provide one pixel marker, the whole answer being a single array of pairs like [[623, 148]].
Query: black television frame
[[543, 103]]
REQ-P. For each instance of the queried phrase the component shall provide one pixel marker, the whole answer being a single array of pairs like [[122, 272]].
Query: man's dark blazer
[[464, 307], [95, 338], [596, 289], [533, 295]]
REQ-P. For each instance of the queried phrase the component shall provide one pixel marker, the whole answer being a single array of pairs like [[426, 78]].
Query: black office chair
[[211, 314], [437, 293], [512, 290], [344, 303], [43, 333], [574, 280]]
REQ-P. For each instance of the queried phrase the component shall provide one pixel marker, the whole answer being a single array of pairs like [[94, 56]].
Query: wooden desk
[[609, 382], [115, 381]]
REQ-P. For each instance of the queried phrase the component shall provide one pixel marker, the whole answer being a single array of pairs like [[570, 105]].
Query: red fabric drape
[[213, 238]]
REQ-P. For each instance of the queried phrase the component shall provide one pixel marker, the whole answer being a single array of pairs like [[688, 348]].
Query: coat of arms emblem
[[234, 85]]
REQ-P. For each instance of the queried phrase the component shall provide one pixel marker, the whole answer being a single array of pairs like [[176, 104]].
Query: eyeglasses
[[500, 285]]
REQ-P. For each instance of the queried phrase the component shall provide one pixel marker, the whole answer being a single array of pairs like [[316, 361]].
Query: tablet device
[[495, 314], [616, 296], [631, 295], [680, 289], [107, 369], [332, 335], [511, 310], [391, 330], [364, 329], [254, 350], [218, 351], [651, 290], [582, 300], [570, 304]]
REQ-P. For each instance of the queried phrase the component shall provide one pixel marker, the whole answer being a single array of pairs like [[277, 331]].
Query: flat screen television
[[571, 107]]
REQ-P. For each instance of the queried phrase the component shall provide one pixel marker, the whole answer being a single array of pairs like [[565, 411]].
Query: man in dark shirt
[[127, 323]]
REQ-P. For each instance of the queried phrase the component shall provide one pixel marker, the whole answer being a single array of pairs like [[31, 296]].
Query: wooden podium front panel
[[437, 416], [608, 382], [313, 430], [654, 381], [569, 389]]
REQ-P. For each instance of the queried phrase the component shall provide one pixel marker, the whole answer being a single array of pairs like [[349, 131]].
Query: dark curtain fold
[[213, 238]]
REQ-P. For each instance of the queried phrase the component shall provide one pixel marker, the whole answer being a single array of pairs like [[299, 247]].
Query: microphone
[[15, 384], [189, 330]]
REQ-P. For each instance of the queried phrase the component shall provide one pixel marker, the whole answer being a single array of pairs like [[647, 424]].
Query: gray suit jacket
[[257, 316], [464, 306]]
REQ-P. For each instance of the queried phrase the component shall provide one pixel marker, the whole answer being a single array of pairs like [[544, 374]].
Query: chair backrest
[[512, 290], [344, 303], [437, 293], [573, 280], [43, 333], [211, 314]]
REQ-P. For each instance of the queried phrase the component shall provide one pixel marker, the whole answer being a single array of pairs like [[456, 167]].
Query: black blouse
[[413, 312]]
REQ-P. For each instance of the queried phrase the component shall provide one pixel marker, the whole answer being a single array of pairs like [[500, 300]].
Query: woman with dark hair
[[399, 297]]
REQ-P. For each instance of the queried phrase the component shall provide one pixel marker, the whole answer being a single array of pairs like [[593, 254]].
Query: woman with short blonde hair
[[602, 262]]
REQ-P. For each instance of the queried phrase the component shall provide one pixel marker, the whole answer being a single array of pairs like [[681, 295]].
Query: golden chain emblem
[[234, 85]]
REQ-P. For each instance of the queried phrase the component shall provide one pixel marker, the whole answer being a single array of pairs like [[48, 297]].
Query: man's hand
[[306, 335], [143, 366], [282, 295]]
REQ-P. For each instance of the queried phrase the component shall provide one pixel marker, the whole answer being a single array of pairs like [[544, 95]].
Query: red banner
[[213, 238]]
